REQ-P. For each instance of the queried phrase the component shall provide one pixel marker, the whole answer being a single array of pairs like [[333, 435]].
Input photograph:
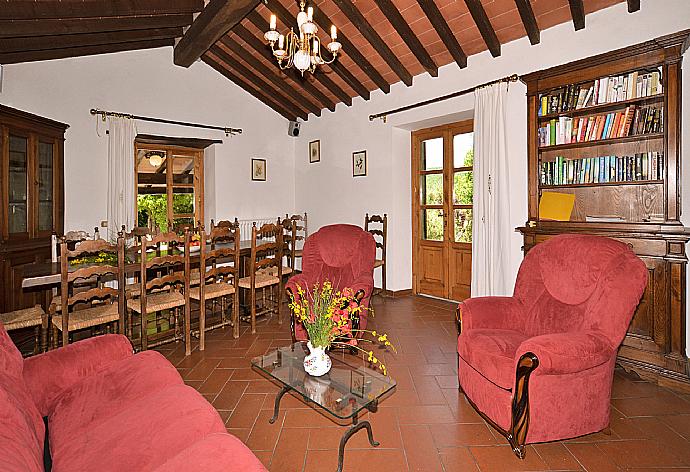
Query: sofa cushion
[[97, 398], [11, 361], [492, 353], [21, 439], [140, 436], [215, 453]]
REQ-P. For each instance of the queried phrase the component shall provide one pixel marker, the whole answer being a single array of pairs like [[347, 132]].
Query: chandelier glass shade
[[302, 49]]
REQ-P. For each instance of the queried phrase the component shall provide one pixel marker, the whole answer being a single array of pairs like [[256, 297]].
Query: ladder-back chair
[[377, 225]]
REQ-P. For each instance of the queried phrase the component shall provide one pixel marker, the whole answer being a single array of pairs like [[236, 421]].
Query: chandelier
[[301, 50]]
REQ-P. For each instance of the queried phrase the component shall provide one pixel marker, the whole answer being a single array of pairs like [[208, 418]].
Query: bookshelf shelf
[[587, 144], [644, 214], [602, 184], [604, 107]]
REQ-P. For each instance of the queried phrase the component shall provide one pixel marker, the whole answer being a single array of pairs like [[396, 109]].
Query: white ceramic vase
[[317, 362]]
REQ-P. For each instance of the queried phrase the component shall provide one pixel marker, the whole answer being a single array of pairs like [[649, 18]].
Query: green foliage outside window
[[462, 192], [155, 207]]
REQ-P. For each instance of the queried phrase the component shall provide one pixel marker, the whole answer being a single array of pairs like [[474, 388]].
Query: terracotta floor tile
[[557, 456], [264, 435], [247, 409], [420, 450], [215, 382], [501, 459], [451, 435], [426, 414], [291, 450], [640, 453], [426, 424], [591, 457], [457, 459]]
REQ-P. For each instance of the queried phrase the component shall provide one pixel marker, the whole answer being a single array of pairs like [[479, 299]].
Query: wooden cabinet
[[634, 195], [31, 197]]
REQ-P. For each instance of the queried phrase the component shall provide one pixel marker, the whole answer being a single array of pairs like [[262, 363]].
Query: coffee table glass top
[[344, 391]]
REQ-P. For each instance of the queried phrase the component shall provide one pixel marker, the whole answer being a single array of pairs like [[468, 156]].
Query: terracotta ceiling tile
[[595, 5]]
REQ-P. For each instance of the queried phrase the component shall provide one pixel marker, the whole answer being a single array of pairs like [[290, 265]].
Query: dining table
[[46, 274]]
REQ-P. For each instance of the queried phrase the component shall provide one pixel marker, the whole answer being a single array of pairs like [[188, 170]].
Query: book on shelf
[[603, 169], [632, 121], [619, 88]]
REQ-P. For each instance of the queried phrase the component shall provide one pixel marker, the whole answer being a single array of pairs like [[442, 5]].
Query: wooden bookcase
[[630, 200]]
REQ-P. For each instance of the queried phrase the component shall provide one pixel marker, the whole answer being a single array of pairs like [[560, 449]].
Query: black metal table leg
[[348, 434], [276, 405]]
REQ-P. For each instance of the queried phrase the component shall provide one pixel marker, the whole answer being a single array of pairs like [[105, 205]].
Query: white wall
[[147, 83], [323, 186]]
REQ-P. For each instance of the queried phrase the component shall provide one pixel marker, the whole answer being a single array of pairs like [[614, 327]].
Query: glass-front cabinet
[[31, 197]]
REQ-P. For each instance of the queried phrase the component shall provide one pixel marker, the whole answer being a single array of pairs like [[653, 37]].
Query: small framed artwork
[[314, 151], [359, 164], [259, 169]]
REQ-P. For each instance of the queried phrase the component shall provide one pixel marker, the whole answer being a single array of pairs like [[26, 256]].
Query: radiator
[[246, 226]]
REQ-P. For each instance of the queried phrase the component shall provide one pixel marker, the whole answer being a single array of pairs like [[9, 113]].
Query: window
[[169, 186]]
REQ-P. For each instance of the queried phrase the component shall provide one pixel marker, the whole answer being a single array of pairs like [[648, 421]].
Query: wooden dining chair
[[265, 270], [27, 318], [164, 286], [98, 262], [301, 233], [219, 262], [224, 224], [72, 238], [377, 225]]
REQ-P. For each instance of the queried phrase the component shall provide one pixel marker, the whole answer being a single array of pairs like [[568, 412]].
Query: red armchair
[[539, 365], [342, 254]]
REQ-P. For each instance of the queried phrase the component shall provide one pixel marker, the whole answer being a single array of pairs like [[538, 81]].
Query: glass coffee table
[[343, 392]]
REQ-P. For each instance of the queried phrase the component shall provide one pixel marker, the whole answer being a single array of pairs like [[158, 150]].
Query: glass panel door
[[183, 211], [463, 186], [18, 180], [44, 177], [431, 188]]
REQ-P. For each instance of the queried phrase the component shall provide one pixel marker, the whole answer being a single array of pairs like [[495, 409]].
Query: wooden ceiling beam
[[213, 22], [407, 35], [633, 6], [45, 9], [240, 82], [41, 43], [444, 32], [267, 73], [47, 54], [279, 94], [361, 23], [284, 16], [263, 49], [482, 21], [528, 20], [351, 50], [349, 78], [577, 11], [51, 27]]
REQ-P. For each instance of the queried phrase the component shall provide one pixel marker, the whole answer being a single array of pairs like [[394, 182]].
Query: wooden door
[[442, 210]]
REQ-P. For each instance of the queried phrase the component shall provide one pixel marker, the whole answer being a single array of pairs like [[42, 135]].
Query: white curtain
[[491, 229], [121, 191]]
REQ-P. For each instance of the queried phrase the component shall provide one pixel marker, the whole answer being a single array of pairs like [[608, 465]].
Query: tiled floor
[[426, 425]]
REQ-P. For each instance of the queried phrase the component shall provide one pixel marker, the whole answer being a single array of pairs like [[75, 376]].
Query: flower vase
[[317, 363]]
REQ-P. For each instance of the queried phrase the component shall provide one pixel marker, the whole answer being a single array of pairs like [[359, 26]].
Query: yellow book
[[556, 206]]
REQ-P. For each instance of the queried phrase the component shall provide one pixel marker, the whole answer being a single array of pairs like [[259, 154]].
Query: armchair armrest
[[294, 281], [365, 283], [489, 312], [566, 353], [48, 375]]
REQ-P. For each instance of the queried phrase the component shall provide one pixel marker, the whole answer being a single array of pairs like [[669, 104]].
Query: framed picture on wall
[[315, 151], [359, 164], [259, 169]]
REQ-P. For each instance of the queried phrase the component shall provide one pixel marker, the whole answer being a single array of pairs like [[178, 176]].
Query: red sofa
[[342, 254], [539, 365], [108, 410]]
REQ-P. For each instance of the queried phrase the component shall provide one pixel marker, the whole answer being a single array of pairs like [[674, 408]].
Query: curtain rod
[[384, 115], [227, 131]]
